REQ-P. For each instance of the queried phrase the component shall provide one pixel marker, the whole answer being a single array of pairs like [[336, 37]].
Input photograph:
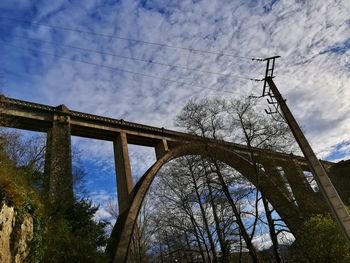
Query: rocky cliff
[[16, 233]]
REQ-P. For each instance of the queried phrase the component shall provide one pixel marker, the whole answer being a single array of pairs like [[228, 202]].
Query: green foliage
[[75, 236], [81, 218], [15, 185], [69, 236], [322, 241], [16, 189], [36, 245]]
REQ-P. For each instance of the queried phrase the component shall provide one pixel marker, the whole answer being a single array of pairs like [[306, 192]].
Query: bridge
[[282, 171]]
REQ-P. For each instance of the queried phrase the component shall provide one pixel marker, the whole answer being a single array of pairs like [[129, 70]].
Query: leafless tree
[[142, 231], [30, 152], [258, 132], [206, 119], [202, 210]]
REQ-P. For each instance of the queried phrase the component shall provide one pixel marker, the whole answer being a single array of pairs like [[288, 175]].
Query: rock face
[[7, 217], [25, 235], [16, 231]]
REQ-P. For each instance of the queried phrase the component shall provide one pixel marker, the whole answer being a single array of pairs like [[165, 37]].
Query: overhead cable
[[116, 69], [149, 61], [218, 53]]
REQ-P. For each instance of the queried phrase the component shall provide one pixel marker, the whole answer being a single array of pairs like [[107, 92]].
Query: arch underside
[[273, 189]]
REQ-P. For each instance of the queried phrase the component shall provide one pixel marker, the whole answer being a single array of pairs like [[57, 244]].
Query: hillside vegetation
[[32, 230]]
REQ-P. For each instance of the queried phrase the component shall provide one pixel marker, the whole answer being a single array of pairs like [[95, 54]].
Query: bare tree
[[142, 231], [203, 210], [206, 119], [179, 194], [29, 152], [258, 132], [26, 153]]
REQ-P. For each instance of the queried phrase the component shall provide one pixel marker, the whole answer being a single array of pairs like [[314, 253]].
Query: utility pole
[[326, 187]]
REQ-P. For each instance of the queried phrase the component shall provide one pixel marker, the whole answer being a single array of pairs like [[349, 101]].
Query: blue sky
[[45, 50]]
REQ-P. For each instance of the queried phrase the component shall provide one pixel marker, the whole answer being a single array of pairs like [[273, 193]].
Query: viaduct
[[283, 181]]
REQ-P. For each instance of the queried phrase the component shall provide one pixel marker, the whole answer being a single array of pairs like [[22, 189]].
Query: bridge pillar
[[58, 163], [310, 202], [273, 185], [123, 171], [161, 148], [276, 177]]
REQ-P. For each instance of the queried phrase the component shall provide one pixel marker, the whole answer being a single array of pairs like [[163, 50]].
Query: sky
[[142, 60]]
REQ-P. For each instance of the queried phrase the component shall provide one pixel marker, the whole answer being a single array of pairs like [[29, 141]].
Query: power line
[[132, 58], [116, 69], [218, 53]]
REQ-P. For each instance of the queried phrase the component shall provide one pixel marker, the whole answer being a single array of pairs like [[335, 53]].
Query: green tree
[[72, 235], [75, 236], [321, 241]]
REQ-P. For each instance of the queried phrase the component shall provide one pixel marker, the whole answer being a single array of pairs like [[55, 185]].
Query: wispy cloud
[[311, 36]]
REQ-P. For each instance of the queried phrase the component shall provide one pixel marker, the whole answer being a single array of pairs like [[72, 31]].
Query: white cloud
[[101, 198], [313, 78], [316, 91]]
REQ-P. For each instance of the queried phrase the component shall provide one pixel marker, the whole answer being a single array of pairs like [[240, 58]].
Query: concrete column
[[58, 163], [308, 201], [161, 148], [275, 178], [123, 171], [273, 185]]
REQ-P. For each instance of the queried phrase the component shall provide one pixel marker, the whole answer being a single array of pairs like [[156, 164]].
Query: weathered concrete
[[123, 173], [310, 202], [58, 162], [161, 148]]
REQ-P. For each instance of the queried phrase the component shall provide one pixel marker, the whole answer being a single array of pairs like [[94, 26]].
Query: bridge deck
[[38, 117]]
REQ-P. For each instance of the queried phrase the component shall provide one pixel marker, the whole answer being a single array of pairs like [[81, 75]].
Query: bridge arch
[[123, 229]]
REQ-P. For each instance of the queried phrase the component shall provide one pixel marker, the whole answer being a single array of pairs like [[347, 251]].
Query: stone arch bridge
[[283, 181]]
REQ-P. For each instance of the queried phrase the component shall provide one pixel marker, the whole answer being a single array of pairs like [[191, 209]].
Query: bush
[[75, 236], [69, 236], [322, 241]]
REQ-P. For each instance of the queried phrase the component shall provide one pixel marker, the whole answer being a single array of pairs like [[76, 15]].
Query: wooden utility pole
[[326, 187]]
